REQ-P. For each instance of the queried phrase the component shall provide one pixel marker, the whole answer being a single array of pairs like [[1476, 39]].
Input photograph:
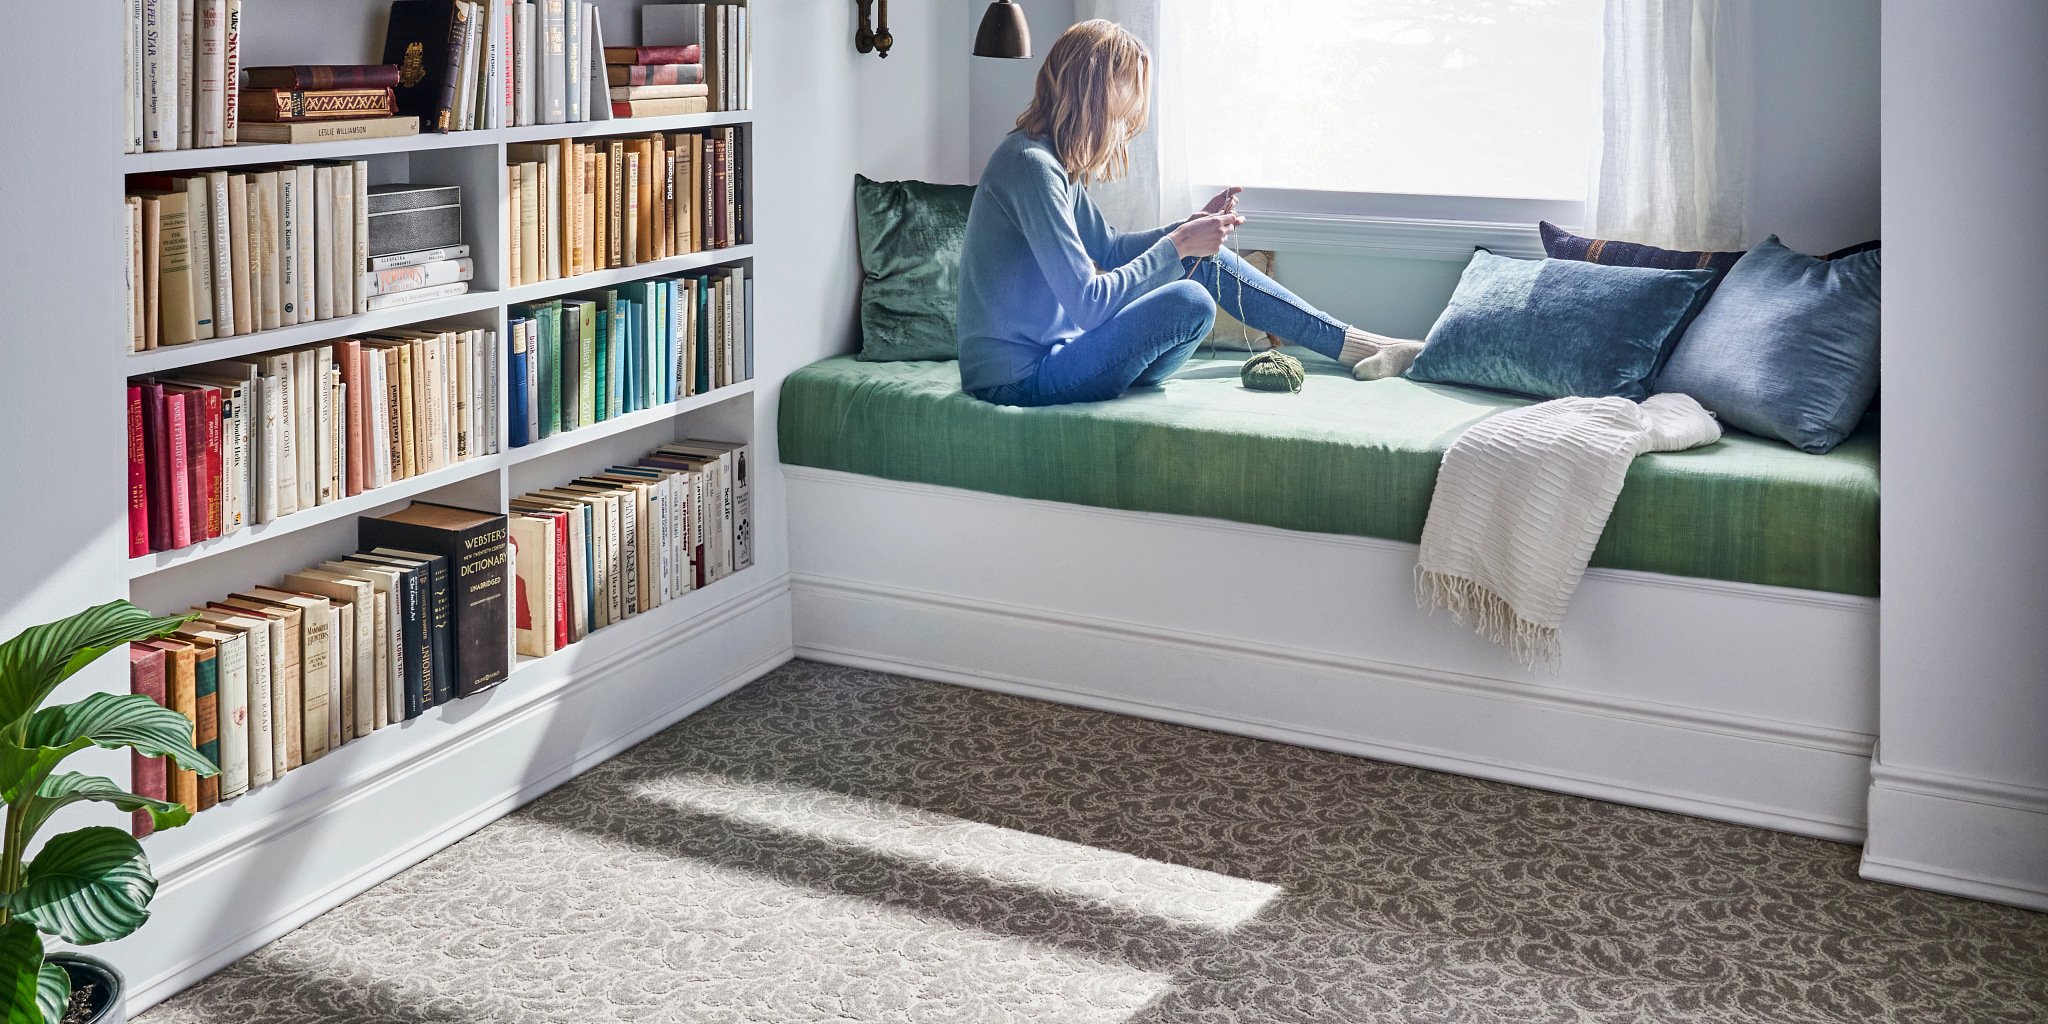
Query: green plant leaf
[[53, 992], [92, 885], [34, 662], [21, 961], [119, 721], [70, 787]]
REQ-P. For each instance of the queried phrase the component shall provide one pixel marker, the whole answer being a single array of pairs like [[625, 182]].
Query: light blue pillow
[[1557, 328], [1787, 347]]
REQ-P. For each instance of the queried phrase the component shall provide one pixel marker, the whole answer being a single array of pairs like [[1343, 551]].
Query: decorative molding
[[911, 614], [1727, 588], [2015, 796], [1986, 839], [1747, 727], [1919, 876], [1401, 237], [249, 854]]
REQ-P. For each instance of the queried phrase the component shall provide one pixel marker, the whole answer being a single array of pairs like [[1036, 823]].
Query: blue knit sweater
[[1028, 267]]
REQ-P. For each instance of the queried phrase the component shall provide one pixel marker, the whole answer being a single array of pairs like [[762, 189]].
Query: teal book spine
[[703, 339], [604, 341], [551, 379], [206, 733], [621, 347]]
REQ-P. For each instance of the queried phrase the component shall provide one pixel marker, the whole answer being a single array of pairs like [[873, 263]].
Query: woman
[[1055, 305]]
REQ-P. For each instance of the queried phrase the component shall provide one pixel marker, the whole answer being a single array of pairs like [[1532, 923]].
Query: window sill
[[1396, 237]]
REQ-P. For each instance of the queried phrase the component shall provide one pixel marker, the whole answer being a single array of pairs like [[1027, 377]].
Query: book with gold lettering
[[480, 580], [273, 105]]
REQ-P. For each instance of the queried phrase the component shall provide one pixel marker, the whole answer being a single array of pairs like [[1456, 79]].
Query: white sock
[[1373, 356]]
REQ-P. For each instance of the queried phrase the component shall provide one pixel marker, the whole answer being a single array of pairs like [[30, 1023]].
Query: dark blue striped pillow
[[1560, 244]]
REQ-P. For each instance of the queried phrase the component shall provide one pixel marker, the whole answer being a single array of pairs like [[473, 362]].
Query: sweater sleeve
[[1109, 247], [1038, 204]]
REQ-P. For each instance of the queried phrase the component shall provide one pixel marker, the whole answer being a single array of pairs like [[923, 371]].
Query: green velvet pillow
[[910, 235]]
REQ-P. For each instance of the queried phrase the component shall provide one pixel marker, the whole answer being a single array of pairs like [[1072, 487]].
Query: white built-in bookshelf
[[563, 706]]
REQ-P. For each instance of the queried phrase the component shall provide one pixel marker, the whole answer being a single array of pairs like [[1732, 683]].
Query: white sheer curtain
[[1675, 113], [1157, 189]]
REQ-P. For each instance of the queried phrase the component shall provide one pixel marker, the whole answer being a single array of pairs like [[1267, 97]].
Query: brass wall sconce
[[875, 39]]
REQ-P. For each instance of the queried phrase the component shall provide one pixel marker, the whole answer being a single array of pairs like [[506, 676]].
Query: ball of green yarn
[[1273, 371]]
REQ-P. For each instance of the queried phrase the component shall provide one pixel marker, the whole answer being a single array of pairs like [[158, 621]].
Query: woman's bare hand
[[1204, 235], [1225, 202]]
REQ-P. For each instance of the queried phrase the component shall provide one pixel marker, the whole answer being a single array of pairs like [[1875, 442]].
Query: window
[[1399, 99]]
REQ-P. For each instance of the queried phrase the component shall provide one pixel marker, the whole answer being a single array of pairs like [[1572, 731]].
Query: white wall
[[1000, 89], [1961, 795]]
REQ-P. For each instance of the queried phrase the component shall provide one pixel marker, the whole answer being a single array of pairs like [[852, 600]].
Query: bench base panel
[[1747, 704]]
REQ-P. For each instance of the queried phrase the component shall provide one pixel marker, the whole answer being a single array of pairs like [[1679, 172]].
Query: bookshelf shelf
[[541, 291], [160, 360], [267, 153], [620, 424], [346, 508]]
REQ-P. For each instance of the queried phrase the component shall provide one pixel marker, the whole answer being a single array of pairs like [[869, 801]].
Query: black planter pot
[[110, 996]]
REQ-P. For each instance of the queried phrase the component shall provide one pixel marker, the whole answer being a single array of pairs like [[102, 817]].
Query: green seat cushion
[[1342, 456]]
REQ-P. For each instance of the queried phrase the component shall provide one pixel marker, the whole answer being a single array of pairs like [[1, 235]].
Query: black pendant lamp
[[1003, 32]]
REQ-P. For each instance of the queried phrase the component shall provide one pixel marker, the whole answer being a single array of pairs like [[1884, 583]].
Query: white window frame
[[1397, 225]]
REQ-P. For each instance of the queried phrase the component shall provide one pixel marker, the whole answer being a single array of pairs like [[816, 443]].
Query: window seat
[[1341, 457]]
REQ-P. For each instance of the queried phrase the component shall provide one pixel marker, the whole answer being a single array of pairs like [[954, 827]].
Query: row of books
[[275, 678], [586, 359], [221, 446], [179, 64], [586, 206], [219, 253], [607, 546], [723, 35], [436, 605]]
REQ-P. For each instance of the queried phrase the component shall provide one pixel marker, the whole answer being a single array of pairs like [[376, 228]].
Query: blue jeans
[[1147, 340]]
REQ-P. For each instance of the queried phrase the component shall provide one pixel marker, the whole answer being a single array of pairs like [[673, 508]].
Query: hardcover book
[[425, 39], [416, 610], [274, 105], [148, 774], [324, 76], [474, 543]]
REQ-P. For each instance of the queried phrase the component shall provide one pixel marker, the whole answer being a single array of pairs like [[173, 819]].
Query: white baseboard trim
[[1986, 839], [762, 615], [1033, 652]]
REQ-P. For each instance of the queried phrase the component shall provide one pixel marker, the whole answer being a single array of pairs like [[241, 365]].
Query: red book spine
[[561, 581], [689, 54], [324, 76], [215, 482], [150, 774], [179, 474], [156, 453], [662, 74], [718, 173], [138, 478]]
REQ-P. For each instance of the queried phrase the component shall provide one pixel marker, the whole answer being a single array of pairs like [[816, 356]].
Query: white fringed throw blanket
[[1520, 502]]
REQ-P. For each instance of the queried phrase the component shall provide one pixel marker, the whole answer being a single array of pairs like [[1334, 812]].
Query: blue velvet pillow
[[1787, 347], [1556, 328]]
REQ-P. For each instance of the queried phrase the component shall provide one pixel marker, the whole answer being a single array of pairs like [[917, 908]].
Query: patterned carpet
[[836, 845]]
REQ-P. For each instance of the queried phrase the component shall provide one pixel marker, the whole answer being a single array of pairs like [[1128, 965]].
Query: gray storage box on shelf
[[408, 218]]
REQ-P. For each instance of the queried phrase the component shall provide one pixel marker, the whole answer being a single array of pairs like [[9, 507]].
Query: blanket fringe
[[1490, 616]]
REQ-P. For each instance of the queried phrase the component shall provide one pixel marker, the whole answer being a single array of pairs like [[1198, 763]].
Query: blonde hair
[[1077, 107]]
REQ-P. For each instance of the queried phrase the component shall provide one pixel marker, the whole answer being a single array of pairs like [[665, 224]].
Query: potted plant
[[92, 884]]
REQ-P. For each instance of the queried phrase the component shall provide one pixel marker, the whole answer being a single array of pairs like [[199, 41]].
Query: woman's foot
[[1373, 356]]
